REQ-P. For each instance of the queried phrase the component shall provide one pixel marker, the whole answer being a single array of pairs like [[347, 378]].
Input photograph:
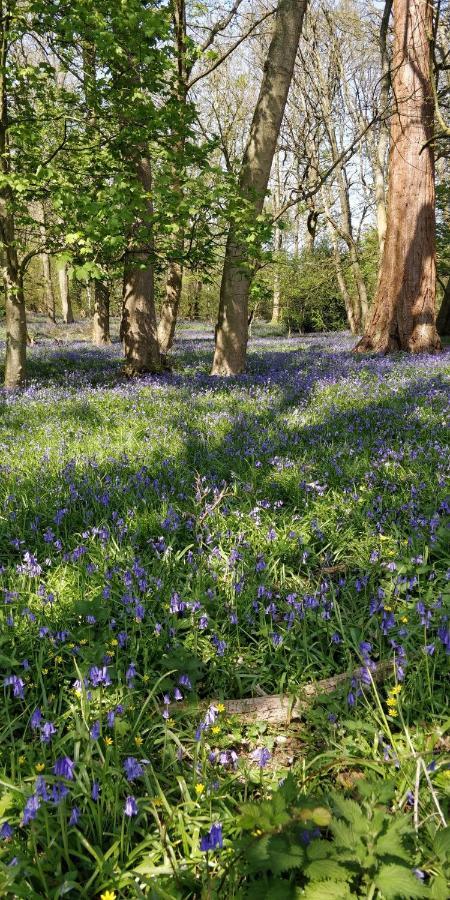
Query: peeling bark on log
[[282, 708]]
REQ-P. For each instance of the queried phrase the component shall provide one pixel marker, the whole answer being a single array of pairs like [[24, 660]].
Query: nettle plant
[[292, 846]]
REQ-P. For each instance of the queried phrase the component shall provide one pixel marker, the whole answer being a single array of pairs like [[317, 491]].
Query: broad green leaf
[[327, 890], [283, 855], [395, 881], [441, 843]]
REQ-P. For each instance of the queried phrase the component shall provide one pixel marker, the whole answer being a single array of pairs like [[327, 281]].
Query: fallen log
[[283, 708]]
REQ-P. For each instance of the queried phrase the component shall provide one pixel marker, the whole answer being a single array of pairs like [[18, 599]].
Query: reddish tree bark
[[403, 315]]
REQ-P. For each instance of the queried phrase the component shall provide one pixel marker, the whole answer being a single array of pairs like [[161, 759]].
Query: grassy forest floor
[[177, 540]]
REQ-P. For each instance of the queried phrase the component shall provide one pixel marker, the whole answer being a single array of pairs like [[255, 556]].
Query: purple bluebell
[[131, 807]]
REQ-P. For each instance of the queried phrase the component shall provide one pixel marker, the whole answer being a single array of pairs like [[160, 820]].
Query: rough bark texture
[[443, 319], [138, 329], [170, 306], [100, 320], [232, 325], [66, 305], [280, 709], [403, 315]]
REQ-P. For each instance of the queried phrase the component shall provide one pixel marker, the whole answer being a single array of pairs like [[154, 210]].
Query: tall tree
[[232, 325], [403, 315]]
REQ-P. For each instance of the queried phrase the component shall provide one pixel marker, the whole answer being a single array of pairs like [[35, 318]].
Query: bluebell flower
[[35, 720], [95, 731], [99, 675], [213, 840], [6, 831], [47, 731], [131, 807], [133, 768], [261, 756], [95, 792], [16, 683], [64, 767], [31, 808], [74, 816], [59, 791]]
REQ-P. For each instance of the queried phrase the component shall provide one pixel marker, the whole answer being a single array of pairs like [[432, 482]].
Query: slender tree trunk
[[174, 280], [403, 315], [277, 245], [16, 322], [232, 325], [276, 297], [49, 294], [443, 319], [352, 307], [100, 320], [64, 292], [379, 156], [195, 291], [138, 329]]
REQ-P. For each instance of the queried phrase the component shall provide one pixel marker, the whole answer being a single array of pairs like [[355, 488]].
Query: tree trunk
[[195, 290], [170, 306], [277, 245], [138, 329], [352, 308], [232, 325], [276, 297], [379, 155], [174, 280], [16, 323], [403, 316], [100, 321], [49, 294], [66, 305], [443, 319]]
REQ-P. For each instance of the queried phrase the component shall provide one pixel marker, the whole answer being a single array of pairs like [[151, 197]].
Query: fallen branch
[[282, 708]]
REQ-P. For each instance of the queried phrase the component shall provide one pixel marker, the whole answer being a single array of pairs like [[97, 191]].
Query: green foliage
[[363, 848]]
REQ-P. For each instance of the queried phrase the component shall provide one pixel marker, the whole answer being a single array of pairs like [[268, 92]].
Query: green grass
[[296, 514]]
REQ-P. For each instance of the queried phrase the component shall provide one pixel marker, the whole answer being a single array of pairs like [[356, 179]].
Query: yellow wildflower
[[397, 689], [108, 895], [114, 642], [58, 659], [215, 729], [220, 708], [21, 760], [39, 767], [138, 741], [108, 740], [199, 789], [45, 671]]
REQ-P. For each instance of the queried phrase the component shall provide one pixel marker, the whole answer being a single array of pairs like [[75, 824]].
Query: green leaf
[[275, 889], [352, 812], [399, 881], [441, 843], [327, 890], [391, 842], [283, 855], [439, 887], [326, 869]]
